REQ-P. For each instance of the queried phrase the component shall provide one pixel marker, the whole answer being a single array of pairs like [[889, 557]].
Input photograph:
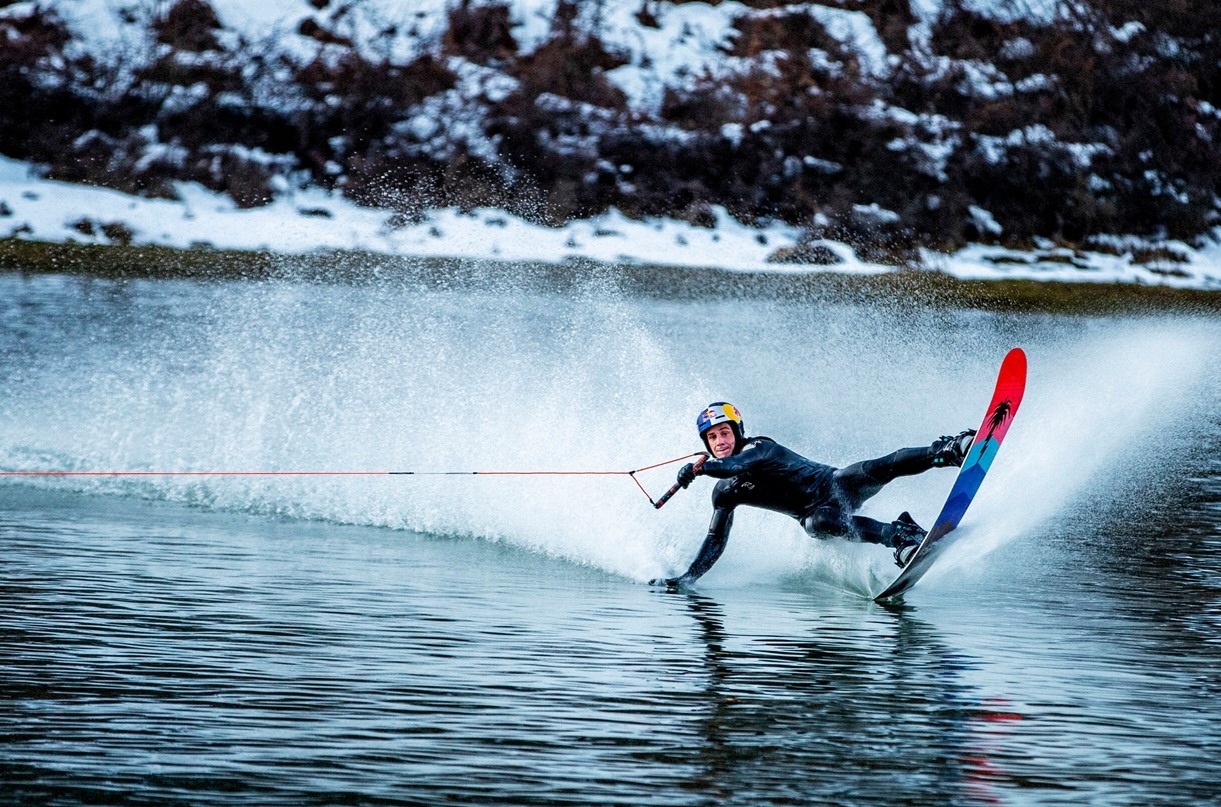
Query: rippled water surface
[[325, 640]]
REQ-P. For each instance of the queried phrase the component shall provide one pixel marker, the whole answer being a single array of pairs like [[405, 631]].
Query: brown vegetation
[[1062, 131]]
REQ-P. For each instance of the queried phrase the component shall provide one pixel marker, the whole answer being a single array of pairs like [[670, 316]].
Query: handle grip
[[669, 494]]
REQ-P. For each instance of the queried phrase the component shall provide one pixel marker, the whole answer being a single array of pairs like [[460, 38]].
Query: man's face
[[720, 440]]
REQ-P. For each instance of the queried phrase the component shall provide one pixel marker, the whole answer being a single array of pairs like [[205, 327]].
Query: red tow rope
[[665, 497]]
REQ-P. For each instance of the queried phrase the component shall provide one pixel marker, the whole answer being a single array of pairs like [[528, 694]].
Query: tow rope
[[661, 500]]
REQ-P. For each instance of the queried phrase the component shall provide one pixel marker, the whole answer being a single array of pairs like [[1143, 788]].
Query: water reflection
[[868, 702], [144, 647]]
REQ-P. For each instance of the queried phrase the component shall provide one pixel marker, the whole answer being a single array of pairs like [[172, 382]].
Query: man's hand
[[686, 474]]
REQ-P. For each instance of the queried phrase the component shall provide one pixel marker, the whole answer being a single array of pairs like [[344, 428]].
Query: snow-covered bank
[[301, 222]]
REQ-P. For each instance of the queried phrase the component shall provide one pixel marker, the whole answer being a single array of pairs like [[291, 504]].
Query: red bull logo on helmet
[[717, 413]]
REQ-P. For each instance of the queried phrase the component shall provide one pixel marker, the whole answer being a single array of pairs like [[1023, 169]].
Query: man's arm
[[757, 452], [714, 545]]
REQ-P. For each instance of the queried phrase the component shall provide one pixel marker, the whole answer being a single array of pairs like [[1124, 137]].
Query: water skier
[[759, 472]]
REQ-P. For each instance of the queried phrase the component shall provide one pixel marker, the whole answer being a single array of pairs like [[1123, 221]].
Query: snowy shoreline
[[304, 222]]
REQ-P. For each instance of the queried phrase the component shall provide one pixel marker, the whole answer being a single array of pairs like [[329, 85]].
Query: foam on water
[[292, 376]]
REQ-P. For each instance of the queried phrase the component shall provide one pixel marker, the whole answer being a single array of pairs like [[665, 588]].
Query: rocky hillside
[[888, 124]]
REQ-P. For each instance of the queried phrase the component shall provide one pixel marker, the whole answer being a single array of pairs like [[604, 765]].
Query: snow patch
[[307, 221]]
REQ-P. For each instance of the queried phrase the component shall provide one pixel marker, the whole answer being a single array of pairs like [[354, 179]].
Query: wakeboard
[[1010, 385]]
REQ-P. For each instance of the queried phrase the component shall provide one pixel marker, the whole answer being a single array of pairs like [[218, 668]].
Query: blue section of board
[[964, 490]]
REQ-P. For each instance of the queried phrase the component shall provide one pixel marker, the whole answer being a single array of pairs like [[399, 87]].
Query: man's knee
[[827, 520]]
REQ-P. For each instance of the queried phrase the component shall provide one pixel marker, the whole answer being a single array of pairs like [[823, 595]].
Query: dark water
[[333, 641]]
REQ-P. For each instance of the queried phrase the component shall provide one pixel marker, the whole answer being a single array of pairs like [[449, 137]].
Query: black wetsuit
[[763, 473]]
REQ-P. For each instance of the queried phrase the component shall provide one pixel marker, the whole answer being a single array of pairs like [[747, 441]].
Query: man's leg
[[838, 522], [852, 486], [861, 481]]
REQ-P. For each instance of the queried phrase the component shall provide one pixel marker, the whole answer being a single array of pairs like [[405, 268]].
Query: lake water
[[374, 639]]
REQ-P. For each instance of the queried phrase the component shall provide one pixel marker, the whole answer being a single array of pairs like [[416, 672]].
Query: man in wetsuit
[[759, 472]]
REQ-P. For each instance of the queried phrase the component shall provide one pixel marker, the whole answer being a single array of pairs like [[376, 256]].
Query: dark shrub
[[481, 33], [816, 254], [118, 233], [233, 171], [188, 25], [314, 30], [571, 68]]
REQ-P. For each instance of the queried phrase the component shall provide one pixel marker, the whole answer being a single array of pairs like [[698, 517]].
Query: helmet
[[717, 413]]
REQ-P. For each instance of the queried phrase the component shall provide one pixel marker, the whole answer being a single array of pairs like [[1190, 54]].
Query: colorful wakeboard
[[1010, 385]]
